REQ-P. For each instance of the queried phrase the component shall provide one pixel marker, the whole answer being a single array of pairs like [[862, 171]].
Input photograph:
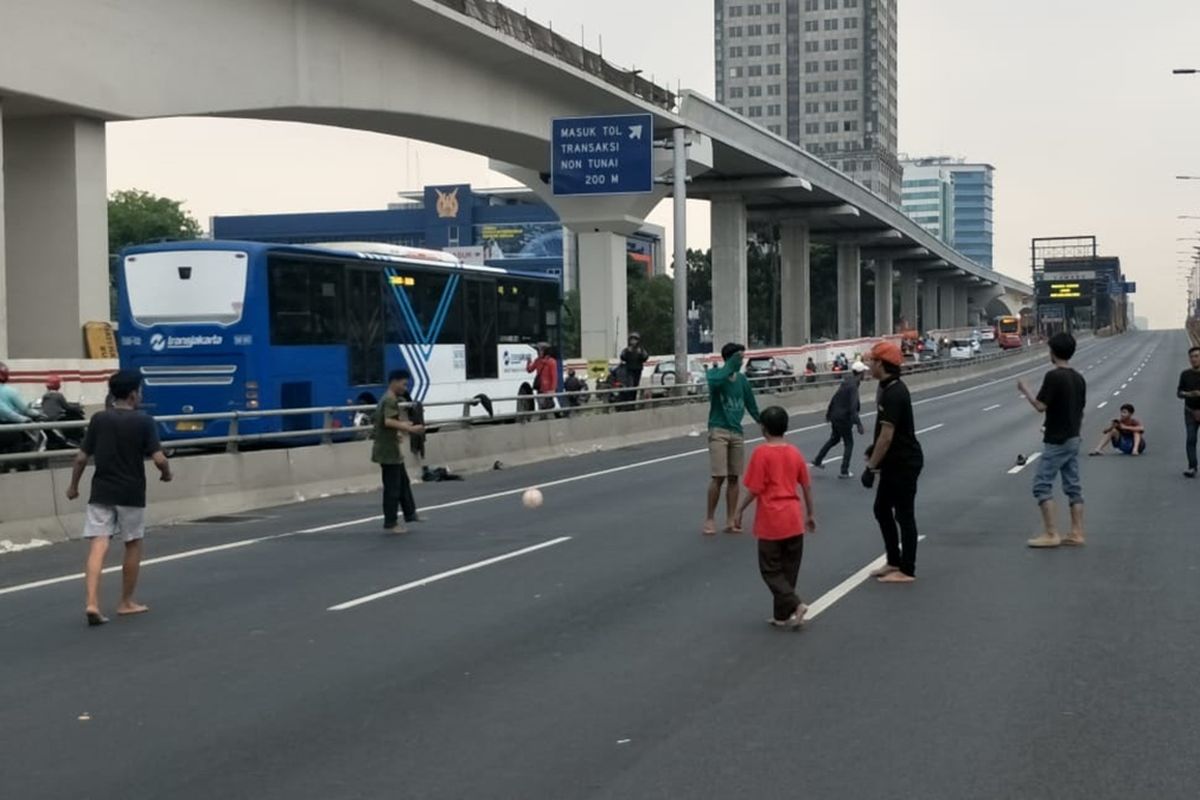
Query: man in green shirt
[[730, 397], [390, 421]]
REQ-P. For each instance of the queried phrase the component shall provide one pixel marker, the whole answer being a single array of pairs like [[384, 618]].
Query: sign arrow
[[635, 131]]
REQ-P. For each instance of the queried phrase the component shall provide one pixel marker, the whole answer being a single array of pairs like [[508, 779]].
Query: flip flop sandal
[[95, 619]]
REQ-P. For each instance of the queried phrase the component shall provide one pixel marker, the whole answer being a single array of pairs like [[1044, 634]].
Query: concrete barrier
[[33, 505]]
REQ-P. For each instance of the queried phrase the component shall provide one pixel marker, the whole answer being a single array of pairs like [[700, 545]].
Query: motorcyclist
[[13, 408], [55, 405], [634, 357]]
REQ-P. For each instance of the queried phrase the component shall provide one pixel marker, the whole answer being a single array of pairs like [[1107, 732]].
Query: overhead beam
[[804, 213], [705, 188]]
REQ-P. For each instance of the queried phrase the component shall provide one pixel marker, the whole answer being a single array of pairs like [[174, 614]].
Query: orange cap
[[888, 353]]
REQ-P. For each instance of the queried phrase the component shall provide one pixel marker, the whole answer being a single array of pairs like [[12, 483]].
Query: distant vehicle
[[770, 371], [988, 335], [962, 349], [1008, 333], [662, 379]]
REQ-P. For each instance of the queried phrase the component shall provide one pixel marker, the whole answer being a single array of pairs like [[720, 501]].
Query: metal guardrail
[[591, 401]]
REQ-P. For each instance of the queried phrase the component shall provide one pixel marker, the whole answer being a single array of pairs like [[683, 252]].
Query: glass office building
[[954, 200]]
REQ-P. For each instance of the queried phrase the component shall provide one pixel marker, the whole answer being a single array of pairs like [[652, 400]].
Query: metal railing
[[543, 39], [565, 405]]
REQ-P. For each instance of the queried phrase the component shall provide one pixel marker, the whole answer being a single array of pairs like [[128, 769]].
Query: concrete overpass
[[413, 68]]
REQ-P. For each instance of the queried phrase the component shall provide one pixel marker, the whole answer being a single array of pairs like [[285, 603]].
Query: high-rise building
[[928, 197], [820, 73], [963, 221]]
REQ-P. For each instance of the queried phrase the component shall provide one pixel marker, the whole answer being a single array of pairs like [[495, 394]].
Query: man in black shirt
[[120, 440], [896, 457], [1062, 398], [634, 357], [1189, 393]]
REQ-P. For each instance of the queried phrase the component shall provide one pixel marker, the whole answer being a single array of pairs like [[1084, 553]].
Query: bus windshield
[[1008, 324], [186, 286]]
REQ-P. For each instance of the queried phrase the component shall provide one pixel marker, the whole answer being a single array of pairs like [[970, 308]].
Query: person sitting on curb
[[1125, 434]]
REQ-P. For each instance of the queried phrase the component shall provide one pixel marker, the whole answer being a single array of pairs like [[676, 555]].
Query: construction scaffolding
[[544, 40]]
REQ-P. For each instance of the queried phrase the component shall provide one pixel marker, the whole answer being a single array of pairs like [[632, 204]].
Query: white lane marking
[[1032, 458], [1124, 386], [931, 428], [203, 551], [993, 408], [1102, 405], [822, 603], [441, 576], [466, 501], [1117, 393]]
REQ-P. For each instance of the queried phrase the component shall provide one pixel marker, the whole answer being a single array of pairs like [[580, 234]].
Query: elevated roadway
[[419, 69], [601, 648]]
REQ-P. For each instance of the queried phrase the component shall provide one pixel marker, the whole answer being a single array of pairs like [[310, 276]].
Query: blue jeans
[[1059, 459]]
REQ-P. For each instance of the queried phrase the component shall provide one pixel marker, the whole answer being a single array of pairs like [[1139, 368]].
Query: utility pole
[[679, 144]]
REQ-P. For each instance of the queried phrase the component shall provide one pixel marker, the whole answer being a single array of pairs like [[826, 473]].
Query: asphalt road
[[616, 653]]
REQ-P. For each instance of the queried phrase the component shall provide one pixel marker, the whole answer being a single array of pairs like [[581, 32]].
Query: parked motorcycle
[[13, 442]]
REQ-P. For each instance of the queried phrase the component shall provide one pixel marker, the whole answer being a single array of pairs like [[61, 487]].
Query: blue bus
[[220, 326]]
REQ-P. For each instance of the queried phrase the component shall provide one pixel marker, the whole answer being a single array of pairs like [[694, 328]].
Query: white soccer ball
[[532, 498]]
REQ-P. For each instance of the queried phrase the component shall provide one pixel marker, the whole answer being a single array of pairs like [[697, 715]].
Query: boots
[[1076, 537], [1050, 524]]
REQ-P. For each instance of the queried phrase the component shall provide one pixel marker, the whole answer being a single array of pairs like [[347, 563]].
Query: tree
[[823, 286], [137, 217], [572, 332], [652, 312]]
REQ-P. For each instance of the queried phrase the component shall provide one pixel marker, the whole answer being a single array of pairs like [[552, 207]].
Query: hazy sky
[[1072, 101]]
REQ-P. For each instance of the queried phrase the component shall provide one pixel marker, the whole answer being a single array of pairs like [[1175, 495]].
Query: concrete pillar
[[56, 233], [795, 282], [931, 316], [908, 298], [3, 272], [603, 294], [849, 285], [946, 304], [730, 313], [885, 305], [961, 318]]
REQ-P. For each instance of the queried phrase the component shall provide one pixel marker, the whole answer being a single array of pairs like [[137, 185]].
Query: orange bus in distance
[[1008, 333]]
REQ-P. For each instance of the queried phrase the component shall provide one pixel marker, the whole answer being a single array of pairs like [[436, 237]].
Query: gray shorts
[[127, 522]]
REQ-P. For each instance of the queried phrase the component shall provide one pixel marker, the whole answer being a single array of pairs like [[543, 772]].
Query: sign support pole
[[681, 266]]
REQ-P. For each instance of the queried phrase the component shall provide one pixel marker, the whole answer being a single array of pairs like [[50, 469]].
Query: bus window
[[186, 287], [425, 295], [481, 338], [306, 302], [523, 306]]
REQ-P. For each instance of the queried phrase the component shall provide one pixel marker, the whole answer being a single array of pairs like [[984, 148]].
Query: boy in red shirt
[[781, 521]]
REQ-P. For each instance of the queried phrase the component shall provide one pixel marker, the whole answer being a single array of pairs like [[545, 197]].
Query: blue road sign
[[602, 155]]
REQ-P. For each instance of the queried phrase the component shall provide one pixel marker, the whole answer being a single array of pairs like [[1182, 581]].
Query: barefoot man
[[120, 440], [730, 398]]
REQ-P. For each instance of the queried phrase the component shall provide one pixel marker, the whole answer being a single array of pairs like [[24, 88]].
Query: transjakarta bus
[[218, 326], [1008, 333]]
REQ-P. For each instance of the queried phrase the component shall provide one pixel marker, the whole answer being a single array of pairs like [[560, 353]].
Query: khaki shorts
[[108, 521], [726, 453]]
